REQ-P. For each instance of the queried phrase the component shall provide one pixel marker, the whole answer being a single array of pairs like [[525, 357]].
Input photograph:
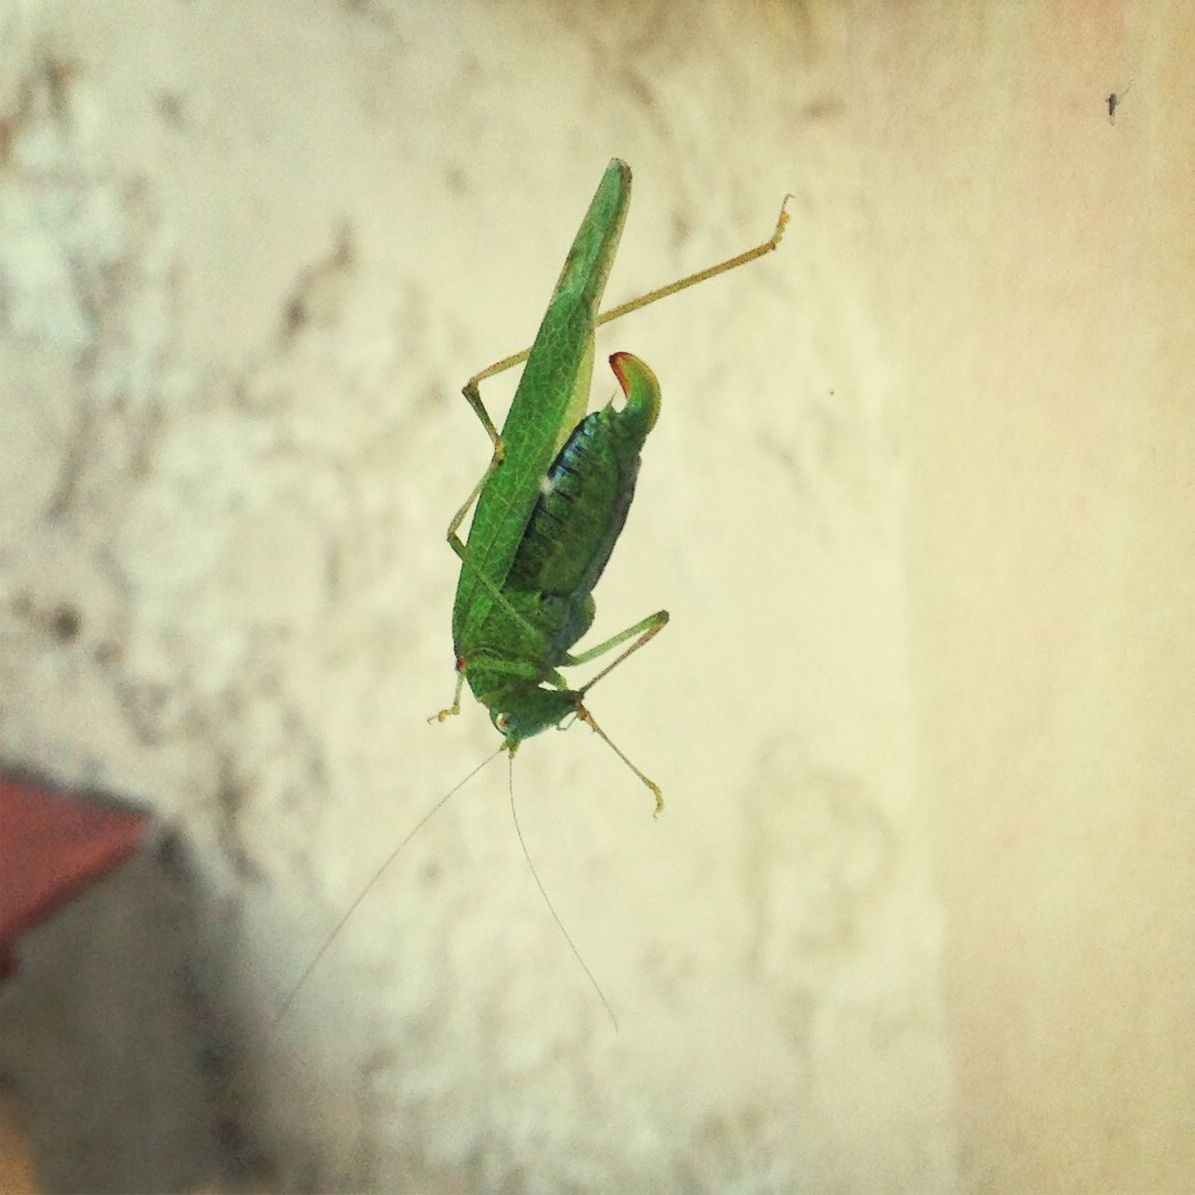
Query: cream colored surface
[[919, 913], [1044, 322]]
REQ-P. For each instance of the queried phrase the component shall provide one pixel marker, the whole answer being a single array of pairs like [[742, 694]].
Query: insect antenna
[[377, 875], [597, 987], [232, 1086]]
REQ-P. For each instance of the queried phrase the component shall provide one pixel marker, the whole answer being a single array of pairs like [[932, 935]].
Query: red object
[[53, 843]]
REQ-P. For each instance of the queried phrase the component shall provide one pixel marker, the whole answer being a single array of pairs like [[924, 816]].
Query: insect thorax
[[520, 709]]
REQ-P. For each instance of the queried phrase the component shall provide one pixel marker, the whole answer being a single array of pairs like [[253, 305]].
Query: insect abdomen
[[579, 514], [587, 492]]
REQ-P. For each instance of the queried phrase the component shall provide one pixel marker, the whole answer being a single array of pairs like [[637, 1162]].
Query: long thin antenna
[[547, 900], [377, 875]]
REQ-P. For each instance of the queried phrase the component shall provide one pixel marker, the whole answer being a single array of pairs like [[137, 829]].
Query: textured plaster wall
[[248, 255]]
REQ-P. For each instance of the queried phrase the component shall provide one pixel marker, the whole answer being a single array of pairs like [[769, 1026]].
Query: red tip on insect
[[460, 663], [640, 387], [618, 364]]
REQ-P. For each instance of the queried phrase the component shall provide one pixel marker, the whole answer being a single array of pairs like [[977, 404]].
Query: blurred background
[[919, 914]]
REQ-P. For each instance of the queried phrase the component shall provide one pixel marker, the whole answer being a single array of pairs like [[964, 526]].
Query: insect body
[[554, 498], [549, 509], [1114, 101]]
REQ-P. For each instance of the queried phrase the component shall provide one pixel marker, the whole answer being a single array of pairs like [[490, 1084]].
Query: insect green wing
[[551, 396]]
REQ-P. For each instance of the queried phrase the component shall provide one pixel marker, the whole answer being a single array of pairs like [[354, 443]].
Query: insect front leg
[[472, 392], [473, 398]]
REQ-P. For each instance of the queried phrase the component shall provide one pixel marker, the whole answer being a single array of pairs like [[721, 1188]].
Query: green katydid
[[550, 507], [554, 498]]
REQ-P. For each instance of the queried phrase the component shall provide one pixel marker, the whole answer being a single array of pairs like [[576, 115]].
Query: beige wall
[[919, 914], [1041, 297]]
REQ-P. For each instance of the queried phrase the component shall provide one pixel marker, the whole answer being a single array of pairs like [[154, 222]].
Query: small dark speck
[[231, 795], [334, 570], [296, 315], [371, 12], [60, 75], [65, 623], [236, 1144], [172, 854], [681, 230], [458, 184], [824, 108], [639, 88], [430, 875], [170, 107], [108, 653], [1113, 100]]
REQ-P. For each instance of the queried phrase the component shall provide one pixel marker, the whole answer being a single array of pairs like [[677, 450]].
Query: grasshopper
[[550, 507], [553, 500]]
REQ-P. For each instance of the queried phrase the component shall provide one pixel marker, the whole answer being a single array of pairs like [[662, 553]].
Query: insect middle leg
[[472, 392], [646, 628]]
